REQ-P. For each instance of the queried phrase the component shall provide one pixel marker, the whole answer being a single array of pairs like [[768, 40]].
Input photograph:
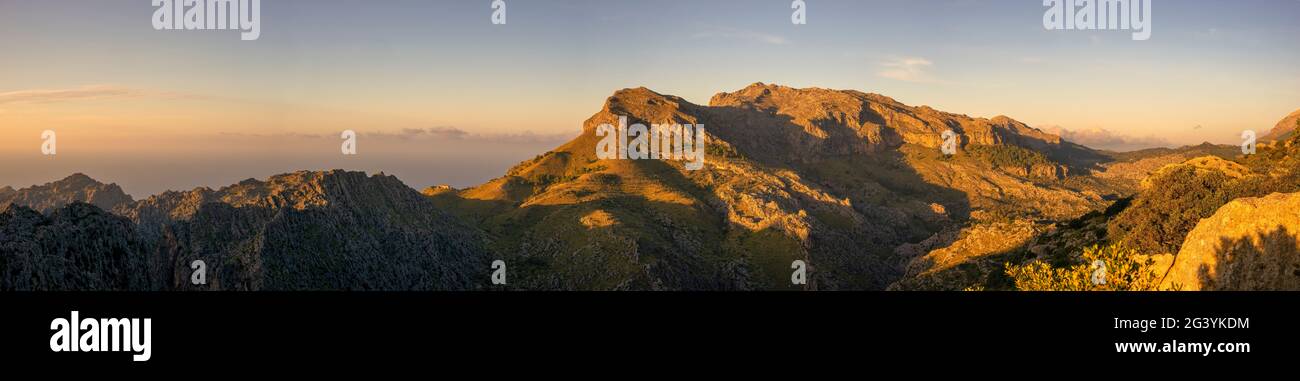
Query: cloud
[[298, 135], [1105, 139], [415, 134], [453, 133], [739, 34], [908, 69], [89, 92], [63, 95]]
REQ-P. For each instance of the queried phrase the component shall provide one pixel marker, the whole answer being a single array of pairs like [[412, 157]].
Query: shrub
[[1125, 270], [1161, 216], [1006, 156]]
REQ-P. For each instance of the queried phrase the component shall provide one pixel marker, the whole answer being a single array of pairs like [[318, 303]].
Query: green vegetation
[[1279, 155], [546, 180], [1156, 221], [1125, 270], [723, 151], [770, 252], [1161, 217], [1004, 156]]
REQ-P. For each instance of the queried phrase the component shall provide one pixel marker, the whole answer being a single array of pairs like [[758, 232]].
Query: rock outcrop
[[839, 122], [321, 231], [77, 247], [331, 230], [957, 260], [77, 187], [1249, 244]]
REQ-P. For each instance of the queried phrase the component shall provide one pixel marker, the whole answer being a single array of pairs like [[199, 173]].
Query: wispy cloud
[[423, 134], [453, 133], [739, 34], [908, 69], [90, 92], [1106, 139], [62, 95], [415, 133]]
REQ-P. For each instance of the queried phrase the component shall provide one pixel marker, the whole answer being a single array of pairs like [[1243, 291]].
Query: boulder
[[1248, 244]]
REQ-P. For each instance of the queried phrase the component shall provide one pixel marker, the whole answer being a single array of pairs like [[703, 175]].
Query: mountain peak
[[306, 189], [78, 177], [635, 98], [791, 171], [77, 180], [873, 122], [74, 188]]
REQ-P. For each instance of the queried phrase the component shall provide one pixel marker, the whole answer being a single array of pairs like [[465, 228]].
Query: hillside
[[839, 179], [301, 231], [1205, 223], [77, 247], [1284, 128]]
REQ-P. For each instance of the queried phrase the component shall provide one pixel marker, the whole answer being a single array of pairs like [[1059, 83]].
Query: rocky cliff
[[54, 195], [77, 247], [1248, 244], [331, 230], [319, 231]]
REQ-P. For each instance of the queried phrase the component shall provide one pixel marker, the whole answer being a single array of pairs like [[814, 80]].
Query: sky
[[441, 95]]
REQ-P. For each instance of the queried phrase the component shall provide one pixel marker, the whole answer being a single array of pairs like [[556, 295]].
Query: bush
[[1006, 156], [1161, 216], [1124, 271]]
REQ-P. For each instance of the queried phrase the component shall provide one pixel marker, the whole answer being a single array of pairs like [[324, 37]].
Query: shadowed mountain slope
[[331, 230], [838, 179]]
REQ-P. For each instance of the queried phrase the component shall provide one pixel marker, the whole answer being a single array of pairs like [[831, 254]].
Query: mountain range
[[853, 184]]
